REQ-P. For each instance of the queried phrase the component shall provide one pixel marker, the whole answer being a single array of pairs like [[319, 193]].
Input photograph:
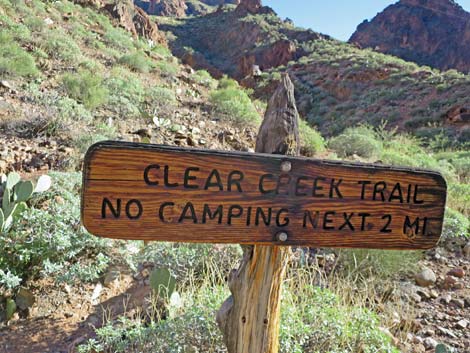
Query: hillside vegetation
[[337, 84]]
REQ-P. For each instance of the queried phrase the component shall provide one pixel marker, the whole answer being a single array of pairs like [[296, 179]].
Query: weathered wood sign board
[[153, 192]]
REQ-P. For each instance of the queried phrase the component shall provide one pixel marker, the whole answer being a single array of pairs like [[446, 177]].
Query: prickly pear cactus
[[10, 308], [442, 348], [13, 196], [162, 282]]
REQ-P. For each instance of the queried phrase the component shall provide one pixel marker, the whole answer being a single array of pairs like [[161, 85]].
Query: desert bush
[[86, 87], [384, 264], [167, 69], [137, 61], [126, 93], [35, 24], [58, 45], [191, 261], [204, 78], [361, 141], [234, 103], [455, 224], [49, 239], [192, 328], [161, 96], [63, 115], [315, 320], [100, 132], [17, 31], [118, 38], [458, 197], [69, 115], [310, 139], [14, 60], [162, 51]]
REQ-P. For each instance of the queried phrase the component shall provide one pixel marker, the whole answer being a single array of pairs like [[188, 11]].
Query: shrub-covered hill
[[338, 85], [74, 73]]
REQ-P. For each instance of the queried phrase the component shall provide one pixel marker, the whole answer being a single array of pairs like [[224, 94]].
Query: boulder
[[24, 299], [425, 278], [456, 272]]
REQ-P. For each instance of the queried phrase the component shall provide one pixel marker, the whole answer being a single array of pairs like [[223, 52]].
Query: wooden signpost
[[146, 192], [267, 201]]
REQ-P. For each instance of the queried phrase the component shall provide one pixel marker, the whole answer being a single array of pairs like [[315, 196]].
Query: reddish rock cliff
[[179, 8], [429, 32]]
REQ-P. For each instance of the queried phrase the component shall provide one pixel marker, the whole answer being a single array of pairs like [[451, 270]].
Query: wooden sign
[[153, 192]]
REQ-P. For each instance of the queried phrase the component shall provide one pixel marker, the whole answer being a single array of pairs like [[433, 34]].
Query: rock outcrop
[[249, 6], [242, 45], [181, 8], [129, 16], [135, 20], [429, 32], [277, 54], [458, 115]]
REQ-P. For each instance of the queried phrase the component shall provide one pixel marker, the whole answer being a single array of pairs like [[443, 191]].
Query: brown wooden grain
[[115, 170]]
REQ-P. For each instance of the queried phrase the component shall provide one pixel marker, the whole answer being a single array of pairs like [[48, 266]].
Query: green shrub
[[48, 239], [163, 51], [458, 197], [191, 260], [167, 69], [204, 78], [161, 96], [58, 45], [455, 224], [361, 141], [118, 38], [100, 132], [14, 60], [310, 139], [193, 330], [137, 61], [126, 93], [86, 87], [384, 264], [314, 320], [233, 102]]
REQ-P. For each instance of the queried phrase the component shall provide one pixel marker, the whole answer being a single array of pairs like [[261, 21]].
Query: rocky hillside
[[429, 32], [181, 8], [337, 84], [72, 74]]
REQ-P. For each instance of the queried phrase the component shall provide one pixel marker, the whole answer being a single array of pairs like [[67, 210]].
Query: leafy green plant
[[455, 224], [137, 61], [126, 93], [87, 87], [310, 139], [14, 193], [204, 78], [442, 348], [14, 60], [118, 38], [234, 103], [167, 68], [60, 46], [361, 141], [162, 282], [48, 235]]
